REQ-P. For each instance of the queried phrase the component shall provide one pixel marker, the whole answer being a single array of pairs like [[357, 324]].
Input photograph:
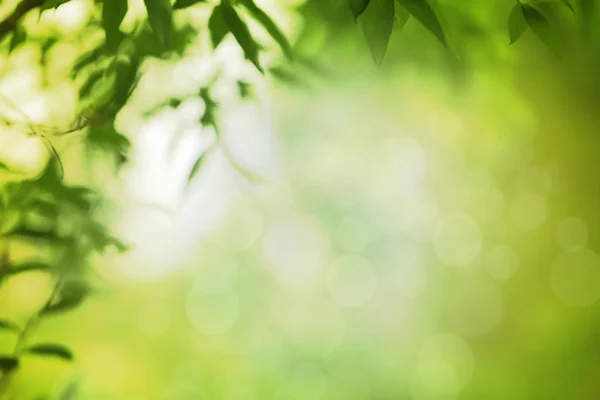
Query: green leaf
[[209, 117], [270, 26], [516, 23], [377, 23], [160, 16], [113, 13], [245, 90], [28, 267], [402, 16], [9, 325], [51, 350], [18, 37], [126, 73], [567, 4], [48, 4], [72, 294], [217, 27], [8, 363], [540, 26], [287, 77], [86, 88], [196, 167], [179, 4], [422, 11], [241, 33], [34, 234], [358, 7]]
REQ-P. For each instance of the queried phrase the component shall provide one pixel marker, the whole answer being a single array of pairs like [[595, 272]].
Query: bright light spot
[[242, 227], [71, 16], [316, 325], [457, 239], [445, 366], [572, 234], [295, 249], [351, 281], [407, 162], [575, 278], [212, 313], [501, 261], [154, 319], [529, 211], [353, 234], [405, 271], [217, 275], [476, 309]]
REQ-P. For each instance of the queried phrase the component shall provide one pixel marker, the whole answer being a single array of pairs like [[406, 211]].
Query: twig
[[11, 22]]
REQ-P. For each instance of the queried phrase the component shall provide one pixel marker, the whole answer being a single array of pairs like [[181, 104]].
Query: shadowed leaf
[[270, 26], [377, 23], [517, 25], [217, 27], [160, 16], [422, 11], [9, 325], [241, 33], [358, 7], [542, 29], [179, 4]]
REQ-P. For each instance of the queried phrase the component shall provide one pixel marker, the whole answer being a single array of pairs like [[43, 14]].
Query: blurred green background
[[426, 229]]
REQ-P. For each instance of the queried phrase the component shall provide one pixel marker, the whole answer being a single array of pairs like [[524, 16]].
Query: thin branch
[[11, 22]]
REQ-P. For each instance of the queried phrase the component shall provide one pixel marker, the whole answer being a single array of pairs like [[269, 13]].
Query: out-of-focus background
[[425, 229]]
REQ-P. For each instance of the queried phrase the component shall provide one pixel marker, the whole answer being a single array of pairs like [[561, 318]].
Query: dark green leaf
[[18, 37], [540, 26], [402, 16], [179, 4], [217, 27], [126, 73], [377, 23], [72, 294], [241, 33], [113, 13], [245, 89], [516, 23], [9, 325], [587, 11], [209, 117], [48, 4], [422, 11], [568, 4], [28, 267], [87, 86], [270, 26], [358, 7], [34, 234], [160, 16], [8, 363], [51, 350]]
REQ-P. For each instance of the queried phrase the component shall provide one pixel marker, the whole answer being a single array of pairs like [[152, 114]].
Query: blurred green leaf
[[241, 33], [8, 363], [86, 88], [541, 27], [28, 267], [197, 166], [377, 22], [35, 234], [209, 117], [245, 89], [402, 16], [217, 27], [287, 77], [568, 4], [160, 16], [126, 73], [113, 13], [51, 350], [422, 11], [9, 325], [70, 299], [270, 26], [517, 25], [358, 7], [179, 4], [19, 36]]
